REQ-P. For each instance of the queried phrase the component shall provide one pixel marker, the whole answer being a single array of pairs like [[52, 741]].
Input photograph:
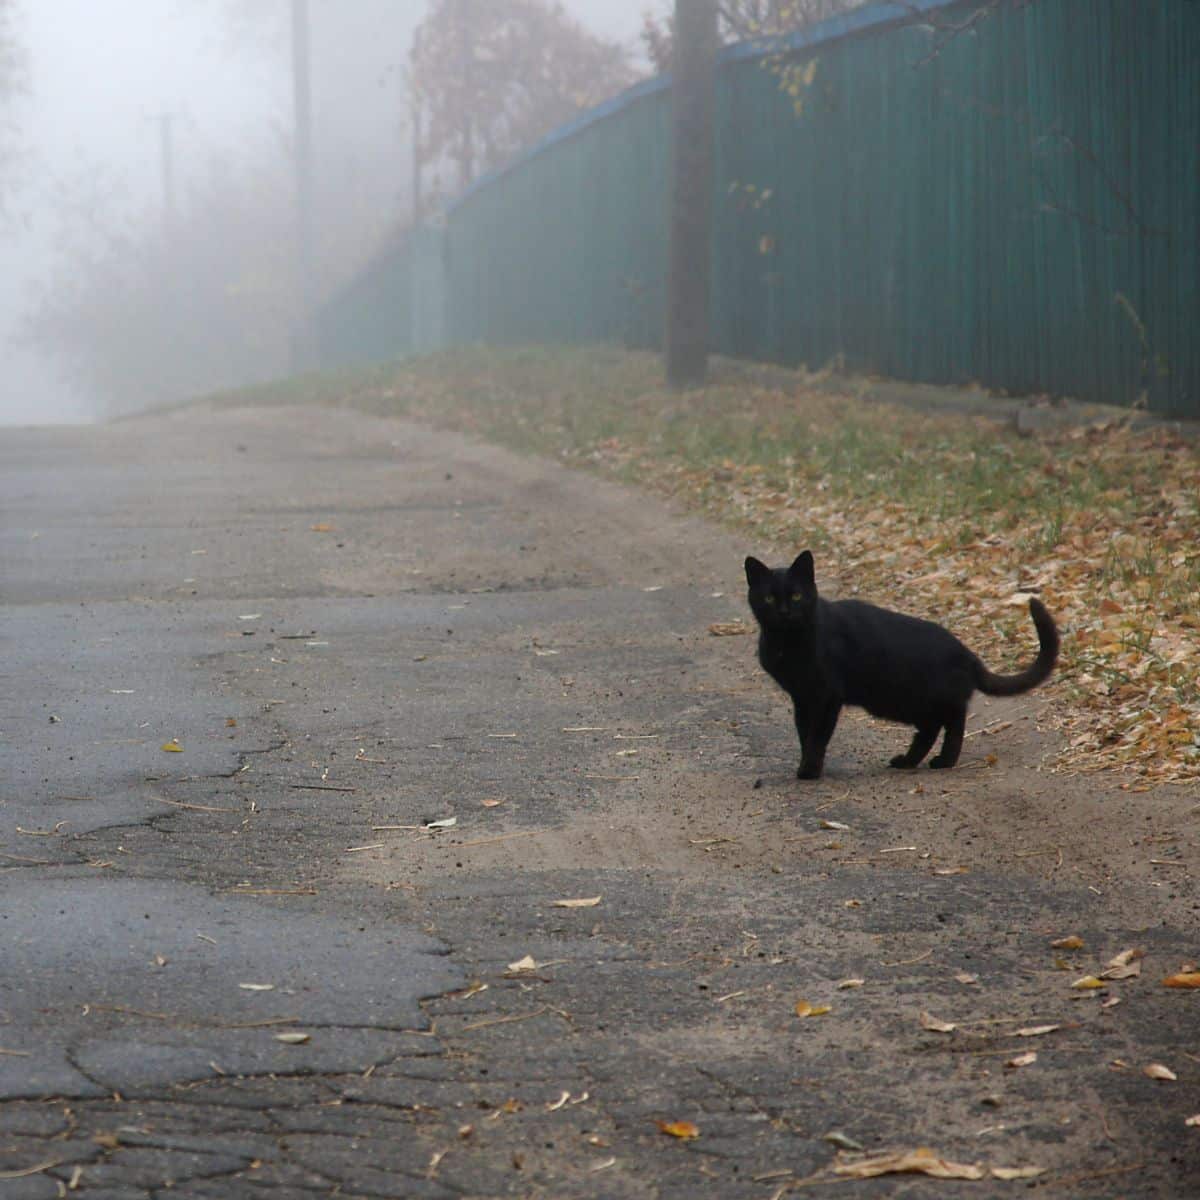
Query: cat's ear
[[755, 571], [801, 571]]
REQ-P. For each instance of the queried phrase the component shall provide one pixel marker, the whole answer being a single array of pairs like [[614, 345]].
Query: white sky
[[100, 72]]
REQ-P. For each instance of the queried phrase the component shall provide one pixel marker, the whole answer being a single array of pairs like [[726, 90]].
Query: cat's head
[[783, 597]]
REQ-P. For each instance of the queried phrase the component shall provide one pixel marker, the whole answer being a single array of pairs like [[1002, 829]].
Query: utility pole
[[414, 89], [688, 281], [167, 151], [302, 106]]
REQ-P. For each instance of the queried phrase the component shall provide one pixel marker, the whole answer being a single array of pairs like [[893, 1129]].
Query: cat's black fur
[[825, 654]]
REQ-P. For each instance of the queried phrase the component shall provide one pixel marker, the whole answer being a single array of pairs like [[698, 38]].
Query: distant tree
[[13, 82], [741, 21], [137, 312], [493, 76]]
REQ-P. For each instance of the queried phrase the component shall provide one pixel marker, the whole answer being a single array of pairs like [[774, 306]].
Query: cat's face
[[782, 597]]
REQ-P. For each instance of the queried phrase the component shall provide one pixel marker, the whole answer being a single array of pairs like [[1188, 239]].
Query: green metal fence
[[1016, 205]]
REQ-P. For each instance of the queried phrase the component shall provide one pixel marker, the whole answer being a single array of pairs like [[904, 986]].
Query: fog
[[95, 221]]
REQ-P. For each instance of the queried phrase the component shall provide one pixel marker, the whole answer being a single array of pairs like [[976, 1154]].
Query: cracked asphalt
[[423, 692]]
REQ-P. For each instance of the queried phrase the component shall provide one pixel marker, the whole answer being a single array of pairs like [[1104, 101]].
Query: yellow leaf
[[172, 747], [322, 527], [804, 1009], [1184, 979], [1158, 1071], [684, 1130], [590, 902], [1088, 983], [1074, 942]]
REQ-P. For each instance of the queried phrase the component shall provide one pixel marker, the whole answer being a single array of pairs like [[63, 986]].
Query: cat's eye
[[769, 600], [796, 597]]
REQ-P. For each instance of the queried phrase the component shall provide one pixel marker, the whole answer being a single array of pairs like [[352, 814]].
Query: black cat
[[828, 653]]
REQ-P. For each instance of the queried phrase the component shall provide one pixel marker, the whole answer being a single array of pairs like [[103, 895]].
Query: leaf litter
[[954, 517]]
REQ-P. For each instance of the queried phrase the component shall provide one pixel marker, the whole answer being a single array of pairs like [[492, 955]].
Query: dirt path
[[407, 627]]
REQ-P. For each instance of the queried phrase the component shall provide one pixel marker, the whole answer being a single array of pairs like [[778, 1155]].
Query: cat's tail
[[1037, 671]]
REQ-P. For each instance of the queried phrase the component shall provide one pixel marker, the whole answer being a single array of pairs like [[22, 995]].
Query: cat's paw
[[902, 763], [941, 764], [807, 772]]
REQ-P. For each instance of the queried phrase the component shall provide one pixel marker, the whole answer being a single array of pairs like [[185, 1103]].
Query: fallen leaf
[[934, 1025], [444, 823], [293, 1039], [1125, 965], [684, 1130], [966, 979], [321, 527], [1128, 971], [804, 1009], [491, 803], [523, 964], [921, 1161], [1088, 983], [1194, 1122], [729, 628], [1126, 957], [257, 987], [1036, 1030], [172, 747], [841, 1140], [1074, 942], [1023, 1060], [1158, 1071], [847, 984], [590, 902], [1017, 1172], [835, 825], [1184, 979]]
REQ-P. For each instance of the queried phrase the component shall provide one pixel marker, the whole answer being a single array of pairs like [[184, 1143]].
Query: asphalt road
[[420, 692]]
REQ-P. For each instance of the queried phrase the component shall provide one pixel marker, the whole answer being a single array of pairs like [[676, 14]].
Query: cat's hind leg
[[922, 743], [956, 723]]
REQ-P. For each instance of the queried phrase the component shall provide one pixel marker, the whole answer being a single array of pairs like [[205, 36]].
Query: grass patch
[[947, 516]]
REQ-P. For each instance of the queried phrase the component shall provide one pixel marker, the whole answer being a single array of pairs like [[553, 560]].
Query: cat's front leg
[[815, 732]]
